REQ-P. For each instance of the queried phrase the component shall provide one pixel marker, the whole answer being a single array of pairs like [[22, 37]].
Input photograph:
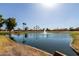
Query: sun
[[49, 5]]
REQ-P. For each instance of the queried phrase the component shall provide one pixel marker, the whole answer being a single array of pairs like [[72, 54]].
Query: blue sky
[[64, 15]]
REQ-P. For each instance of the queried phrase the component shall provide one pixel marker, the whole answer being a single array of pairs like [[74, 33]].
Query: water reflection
[[12, 38], [45, 35], [26, 35], [22, 37], [49, 42], [18, 34]]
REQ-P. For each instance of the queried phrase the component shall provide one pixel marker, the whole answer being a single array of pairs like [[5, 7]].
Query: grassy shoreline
[[75, 41]]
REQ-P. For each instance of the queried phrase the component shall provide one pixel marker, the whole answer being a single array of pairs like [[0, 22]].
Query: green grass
[[75, 42], [74, 34], [3, 33], [13, 32]]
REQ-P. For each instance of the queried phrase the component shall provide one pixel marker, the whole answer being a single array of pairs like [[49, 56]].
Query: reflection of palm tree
[[36, 36], [26, 35], [23, 39], [47, 36]]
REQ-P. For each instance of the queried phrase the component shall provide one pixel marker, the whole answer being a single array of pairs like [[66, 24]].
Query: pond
[[49, 42]]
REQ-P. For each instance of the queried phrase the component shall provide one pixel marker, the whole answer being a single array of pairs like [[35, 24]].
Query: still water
[[49, 42]]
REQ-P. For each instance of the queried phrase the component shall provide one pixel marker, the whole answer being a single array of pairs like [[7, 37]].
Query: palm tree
[[24, 25]]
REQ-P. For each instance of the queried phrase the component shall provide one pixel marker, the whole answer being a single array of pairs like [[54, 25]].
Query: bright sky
[[57, 15]]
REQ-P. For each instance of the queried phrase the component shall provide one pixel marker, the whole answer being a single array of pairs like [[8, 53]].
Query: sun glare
[[49, 5]]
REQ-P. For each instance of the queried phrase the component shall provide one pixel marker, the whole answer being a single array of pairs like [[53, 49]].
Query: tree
[[47, 29], [23, 25], [10, 23], [26, 28], [1, 21], [36, 27], [71, 29]]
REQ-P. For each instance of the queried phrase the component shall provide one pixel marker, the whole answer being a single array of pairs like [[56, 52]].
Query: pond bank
[[10, 48], [75, 41]]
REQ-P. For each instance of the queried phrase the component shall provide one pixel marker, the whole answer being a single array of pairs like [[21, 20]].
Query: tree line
[[10, 22]]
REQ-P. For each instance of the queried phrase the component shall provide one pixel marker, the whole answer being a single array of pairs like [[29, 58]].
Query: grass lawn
[[75, 42], [13, 32]]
